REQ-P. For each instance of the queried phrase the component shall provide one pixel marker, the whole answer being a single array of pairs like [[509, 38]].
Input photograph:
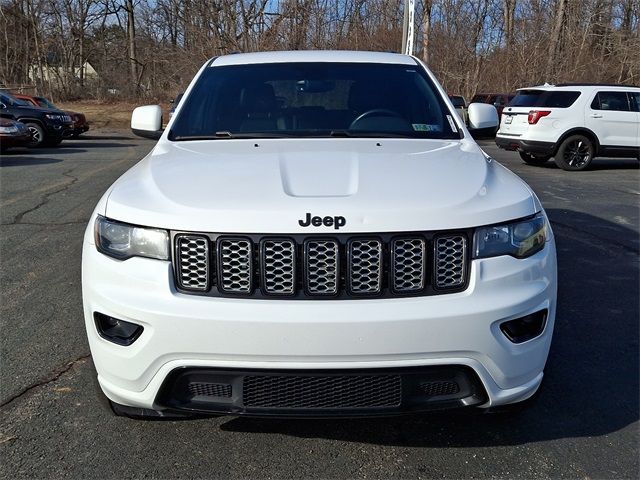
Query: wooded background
[[152, 48]]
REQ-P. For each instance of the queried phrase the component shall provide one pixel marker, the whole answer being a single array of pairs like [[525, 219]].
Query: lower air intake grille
[[220, 390], [322, 392], [438, 389], [450, 261]]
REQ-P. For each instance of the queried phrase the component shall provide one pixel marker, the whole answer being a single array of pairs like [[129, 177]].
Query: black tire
[[575, 153], [531, 159], [37, 134], [75, 135]]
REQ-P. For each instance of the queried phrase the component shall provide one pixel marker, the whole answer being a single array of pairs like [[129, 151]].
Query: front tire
[[531, 159], [576, 153], [37, 135]]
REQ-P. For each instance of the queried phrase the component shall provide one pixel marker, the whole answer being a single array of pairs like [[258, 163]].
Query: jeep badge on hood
[[327, 221]]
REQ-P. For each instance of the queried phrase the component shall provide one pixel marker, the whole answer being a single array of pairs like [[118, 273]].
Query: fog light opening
[[525, 328], [116, 330]]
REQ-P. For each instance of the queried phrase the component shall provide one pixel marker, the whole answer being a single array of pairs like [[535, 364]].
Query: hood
[[270, 185], [39, 109]]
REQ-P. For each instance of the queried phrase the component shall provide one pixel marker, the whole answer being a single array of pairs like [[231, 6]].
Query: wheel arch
[[33, 120], [578, 131]]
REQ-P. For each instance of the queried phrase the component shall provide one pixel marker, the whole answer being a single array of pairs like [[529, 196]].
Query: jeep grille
[[304, 266]]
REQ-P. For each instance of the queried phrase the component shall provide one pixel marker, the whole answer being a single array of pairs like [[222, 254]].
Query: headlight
[[52, 116], [122, 241], [12, 129], [519, 239]]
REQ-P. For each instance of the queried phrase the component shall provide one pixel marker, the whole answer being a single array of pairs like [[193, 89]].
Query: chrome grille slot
[[365, 266], [278, 266], [450, 259], [408, 264], [192, 262], [321, 267], [235, 265]]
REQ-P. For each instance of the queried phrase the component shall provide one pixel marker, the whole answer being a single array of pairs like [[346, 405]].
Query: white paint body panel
[[266, 186]]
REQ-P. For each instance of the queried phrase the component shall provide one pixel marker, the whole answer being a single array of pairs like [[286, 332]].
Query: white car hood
[[268, 185]]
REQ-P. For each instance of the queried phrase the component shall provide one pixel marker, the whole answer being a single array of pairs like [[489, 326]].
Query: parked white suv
[[316, 233], [572, 123]]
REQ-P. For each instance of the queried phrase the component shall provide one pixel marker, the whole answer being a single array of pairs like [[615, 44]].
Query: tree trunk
[[426, 30], [554, 41], [131, 33]]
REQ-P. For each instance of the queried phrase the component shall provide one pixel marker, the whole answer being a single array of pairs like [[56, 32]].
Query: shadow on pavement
[[76, 144], [20, 161], [598, 164], [591, 381], [101, 137]]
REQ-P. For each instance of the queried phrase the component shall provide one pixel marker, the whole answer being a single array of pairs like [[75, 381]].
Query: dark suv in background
[[48, 127], [80, 124]]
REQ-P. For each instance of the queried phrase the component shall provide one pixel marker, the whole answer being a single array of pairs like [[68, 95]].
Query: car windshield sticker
[[426, 127], [452, 123]]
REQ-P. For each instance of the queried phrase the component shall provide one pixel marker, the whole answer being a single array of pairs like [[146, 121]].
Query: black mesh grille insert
[[322, 391], [436, 389], [209, 389]]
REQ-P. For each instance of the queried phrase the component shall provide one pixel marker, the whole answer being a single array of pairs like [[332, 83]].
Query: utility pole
[[408, 27]]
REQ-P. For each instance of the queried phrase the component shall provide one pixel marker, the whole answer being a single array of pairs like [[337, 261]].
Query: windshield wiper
[[225, 134], [364, 134]]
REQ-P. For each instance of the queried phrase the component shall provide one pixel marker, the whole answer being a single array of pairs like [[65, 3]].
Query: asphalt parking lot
[[53, 424]]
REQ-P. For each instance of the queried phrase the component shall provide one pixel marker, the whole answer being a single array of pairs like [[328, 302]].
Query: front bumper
[[528, 146], [56, 130], [185, 331], [80, 128], [15, 140]]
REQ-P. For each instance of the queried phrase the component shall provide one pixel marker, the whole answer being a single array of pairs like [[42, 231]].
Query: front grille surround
[[342, 242]]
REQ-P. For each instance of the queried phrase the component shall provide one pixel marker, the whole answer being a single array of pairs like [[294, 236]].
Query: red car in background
[[498, 100], [80, 124]]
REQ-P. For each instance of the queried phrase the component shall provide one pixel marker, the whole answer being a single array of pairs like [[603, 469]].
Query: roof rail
[[594, 85]]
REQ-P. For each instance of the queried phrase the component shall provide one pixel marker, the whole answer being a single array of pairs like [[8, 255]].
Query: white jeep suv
[[316, 233], [572, 123]]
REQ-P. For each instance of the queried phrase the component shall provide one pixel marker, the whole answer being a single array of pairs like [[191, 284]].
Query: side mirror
[[483, 119], [147, 121]]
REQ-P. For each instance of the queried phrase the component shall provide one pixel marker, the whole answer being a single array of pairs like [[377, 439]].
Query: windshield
[[10, 100], [313, 99], [43, 102], [544, 98]]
